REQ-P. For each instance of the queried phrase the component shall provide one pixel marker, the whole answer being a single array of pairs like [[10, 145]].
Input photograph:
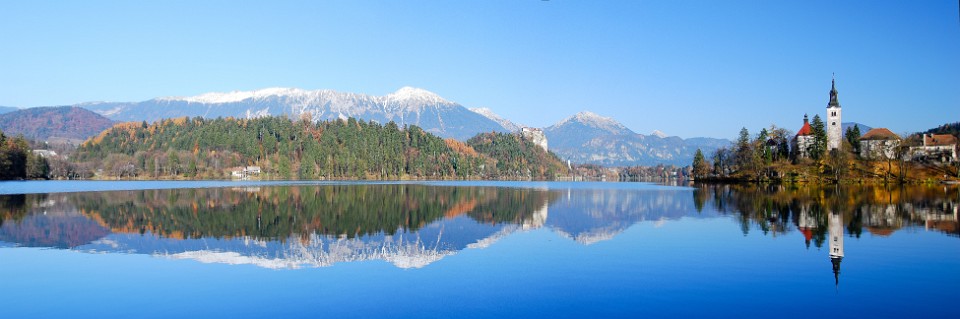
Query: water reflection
[[819, 212], [877, 209], [411, 225]]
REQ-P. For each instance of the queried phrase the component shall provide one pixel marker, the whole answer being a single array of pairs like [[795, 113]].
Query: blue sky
[[688, 68]]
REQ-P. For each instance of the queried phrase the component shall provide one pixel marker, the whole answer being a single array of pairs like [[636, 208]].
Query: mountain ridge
[[584, 137]]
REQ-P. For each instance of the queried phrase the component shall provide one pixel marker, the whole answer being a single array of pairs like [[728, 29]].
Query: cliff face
[[536, 136]]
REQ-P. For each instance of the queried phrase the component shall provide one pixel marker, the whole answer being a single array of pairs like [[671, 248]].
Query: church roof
[[805, 130], [879, 133]]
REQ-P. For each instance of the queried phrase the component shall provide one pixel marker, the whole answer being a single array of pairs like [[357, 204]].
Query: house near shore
[[879, 143], [244, 172], [936, 147]]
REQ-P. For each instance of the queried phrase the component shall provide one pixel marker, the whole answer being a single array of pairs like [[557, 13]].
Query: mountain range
[[590, 138], [582, 138], [407, 106]]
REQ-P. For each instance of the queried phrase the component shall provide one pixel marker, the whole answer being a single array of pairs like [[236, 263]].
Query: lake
[[475, 249]]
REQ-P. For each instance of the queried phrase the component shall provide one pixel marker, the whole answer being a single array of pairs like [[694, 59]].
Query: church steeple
[[836, 270], [834, 133], [833, 94]]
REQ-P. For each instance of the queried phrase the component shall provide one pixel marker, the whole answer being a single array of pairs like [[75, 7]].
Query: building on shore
[[936, 147], [879, 143], [804, 139]]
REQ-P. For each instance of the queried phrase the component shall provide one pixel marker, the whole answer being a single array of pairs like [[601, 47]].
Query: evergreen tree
[[744, 151], [853, 137], [700, 165], [819, 147]]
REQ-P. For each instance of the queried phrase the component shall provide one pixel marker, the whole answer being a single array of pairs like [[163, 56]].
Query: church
[[804, 139]]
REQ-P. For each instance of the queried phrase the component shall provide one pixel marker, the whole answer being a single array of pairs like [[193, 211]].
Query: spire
[[836, 270], [833, 93]]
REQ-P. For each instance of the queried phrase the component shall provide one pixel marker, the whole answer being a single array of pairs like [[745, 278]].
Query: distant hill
[[64, 123], [863, 128], [7, 109], [590, 138]]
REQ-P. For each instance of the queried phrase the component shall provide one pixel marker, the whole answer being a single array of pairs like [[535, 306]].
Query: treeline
[[285, 149], [949, 128], [18, 162], [751, 157]]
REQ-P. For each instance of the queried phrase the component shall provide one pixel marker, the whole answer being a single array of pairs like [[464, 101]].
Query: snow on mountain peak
[[237, 96], [659, 134], [408, 93], [594, 120], [488, 113]]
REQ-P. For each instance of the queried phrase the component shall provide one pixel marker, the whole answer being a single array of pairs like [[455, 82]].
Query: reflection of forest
[[877, 209], [276, 213], [412, 225]]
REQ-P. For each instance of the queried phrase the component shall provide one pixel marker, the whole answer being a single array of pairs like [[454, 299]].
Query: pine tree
[[819, 147], [853, 137], [700, 166]]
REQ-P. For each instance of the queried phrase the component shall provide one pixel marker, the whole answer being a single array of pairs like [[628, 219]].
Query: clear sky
[[688, 68]]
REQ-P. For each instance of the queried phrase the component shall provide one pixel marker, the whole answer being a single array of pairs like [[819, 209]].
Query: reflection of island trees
[[277, 213], [877, 209]]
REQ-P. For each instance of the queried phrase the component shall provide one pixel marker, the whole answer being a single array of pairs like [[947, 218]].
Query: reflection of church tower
[[834, 133], [835, 227]]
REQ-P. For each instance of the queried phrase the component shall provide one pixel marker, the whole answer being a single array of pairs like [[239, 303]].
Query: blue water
[[569, 250]]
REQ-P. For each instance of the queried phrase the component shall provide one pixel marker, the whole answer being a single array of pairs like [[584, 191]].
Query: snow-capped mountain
[[406, 106], [590, 138], [488, 113], [585, 137]]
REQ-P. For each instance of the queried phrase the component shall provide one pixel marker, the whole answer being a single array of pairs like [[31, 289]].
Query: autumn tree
[[700, 165]]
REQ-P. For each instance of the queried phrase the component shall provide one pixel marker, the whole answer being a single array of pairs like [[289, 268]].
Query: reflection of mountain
[[405, 249], [406, 224], [47, 222], [411, 225], [592, 215]]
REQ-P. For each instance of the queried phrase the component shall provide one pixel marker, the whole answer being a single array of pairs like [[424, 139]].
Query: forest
[[198, 148], [17, 162]]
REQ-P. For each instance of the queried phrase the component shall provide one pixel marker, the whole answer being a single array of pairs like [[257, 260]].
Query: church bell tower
[[834, 131]]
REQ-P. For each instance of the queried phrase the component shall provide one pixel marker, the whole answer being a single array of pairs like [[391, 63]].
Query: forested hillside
[[285, 149], [516, 156]]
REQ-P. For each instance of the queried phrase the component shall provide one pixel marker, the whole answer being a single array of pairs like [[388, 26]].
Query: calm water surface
[[474, 249]]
